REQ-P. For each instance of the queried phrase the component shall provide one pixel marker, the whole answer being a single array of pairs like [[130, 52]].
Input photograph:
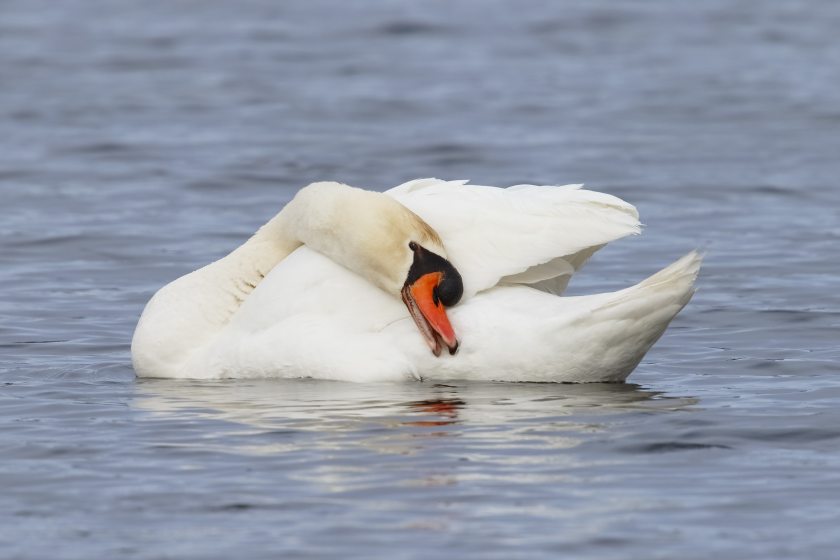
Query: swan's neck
[[364, 231]]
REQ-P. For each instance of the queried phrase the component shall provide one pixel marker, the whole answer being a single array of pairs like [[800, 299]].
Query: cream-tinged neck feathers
[[366, 232]]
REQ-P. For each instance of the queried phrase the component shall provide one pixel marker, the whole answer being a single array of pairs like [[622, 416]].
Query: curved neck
[[364, 231]]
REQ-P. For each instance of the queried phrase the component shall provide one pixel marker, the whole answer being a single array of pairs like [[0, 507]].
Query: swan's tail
[[627, 323], [679, 275]]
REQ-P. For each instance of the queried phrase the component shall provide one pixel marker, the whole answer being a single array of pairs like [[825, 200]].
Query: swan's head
[[432, 285]]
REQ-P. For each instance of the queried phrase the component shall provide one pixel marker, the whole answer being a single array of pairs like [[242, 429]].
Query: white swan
[[274, 308]]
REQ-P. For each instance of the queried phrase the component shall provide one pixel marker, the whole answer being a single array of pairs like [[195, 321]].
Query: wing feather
[[526, 234]]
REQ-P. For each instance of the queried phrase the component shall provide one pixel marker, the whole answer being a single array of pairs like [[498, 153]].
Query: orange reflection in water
[[447, 409]]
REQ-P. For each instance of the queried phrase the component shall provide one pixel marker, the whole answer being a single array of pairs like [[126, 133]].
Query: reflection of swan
[[515, 250], [333, 406], [366, 438], [340, 430]]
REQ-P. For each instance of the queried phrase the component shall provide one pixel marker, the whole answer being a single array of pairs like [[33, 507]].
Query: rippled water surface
[[140, 140]]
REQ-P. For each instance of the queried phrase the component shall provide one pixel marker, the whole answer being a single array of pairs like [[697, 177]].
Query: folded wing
[[526, 234]]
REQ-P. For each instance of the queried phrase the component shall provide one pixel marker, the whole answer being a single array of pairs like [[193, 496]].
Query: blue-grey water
[[141, 140]]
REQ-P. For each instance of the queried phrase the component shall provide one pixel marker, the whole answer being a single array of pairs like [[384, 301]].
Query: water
[[140, 140]]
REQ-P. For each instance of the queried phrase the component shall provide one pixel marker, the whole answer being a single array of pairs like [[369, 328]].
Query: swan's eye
[[412, 245]]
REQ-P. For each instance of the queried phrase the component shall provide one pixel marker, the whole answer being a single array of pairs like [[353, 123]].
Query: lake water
[[141, 140]]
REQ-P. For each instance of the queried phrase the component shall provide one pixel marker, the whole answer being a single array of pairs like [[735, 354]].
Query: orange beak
[[429, 314]]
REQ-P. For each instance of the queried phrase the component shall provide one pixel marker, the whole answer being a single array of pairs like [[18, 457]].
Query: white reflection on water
[[363, 438], [396, 418]]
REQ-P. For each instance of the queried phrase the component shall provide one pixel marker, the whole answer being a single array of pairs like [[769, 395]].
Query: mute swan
[[331, 309]]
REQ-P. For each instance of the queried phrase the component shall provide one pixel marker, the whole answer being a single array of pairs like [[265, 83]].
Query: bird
[[338, 284]]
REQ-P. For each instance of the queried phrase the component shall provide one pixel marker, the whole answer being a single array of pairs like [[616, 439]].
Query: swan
[[338, 284]]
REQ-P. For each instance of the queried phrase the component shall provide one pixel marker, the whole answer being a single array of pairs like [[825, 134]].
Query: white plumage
[[515, 249], [524, 233]]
